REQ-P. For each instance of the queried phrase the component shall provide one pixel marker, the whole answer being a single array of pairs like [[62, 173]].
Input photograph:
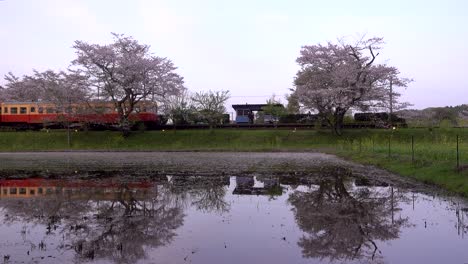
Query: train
[[380, 120], [103, 116], [36, 115]]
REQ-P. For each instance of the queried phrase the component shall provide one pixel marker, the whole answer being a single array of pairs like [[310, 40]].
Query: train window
[[23, 110], [32, 192], [33, 109], [40, 110], [5, 191], [6, 110], [49, 110], [39, 191], [22, 190], [12, 190], [14, 110]]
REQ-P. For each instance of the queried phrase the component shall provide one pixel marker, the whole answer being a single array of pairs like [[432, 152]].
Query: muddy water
[[228, 219]]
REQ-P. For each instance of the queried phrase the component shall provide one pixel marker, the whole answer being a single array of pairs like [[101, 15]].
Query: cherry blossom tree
[[21, 89], [125, 72], [337, 77], [60, 88], [3, 95]]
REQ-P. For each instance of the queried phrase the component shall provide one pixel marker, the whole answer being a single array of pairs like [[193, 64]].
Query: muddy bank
[[154, 164]]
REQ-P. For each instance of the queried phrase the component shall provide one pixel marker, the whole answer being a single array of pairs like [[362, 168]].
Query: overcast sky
[[245, 46]]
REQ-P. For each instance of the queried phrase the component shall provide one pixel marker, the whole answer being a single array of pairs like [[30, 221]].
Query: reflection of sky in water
[[228, 220]]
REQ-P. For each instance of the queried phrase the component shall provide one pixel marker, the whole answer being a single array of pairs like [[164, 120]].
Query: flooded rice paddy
[[223, 211]]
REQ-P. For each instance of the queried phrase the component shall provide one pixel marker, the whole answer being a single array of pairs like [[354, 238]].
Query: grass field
[[434, 160]]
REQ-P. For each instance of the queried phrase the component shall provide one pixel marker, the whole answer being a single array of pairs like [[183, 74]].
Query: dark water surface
[[177, 219]]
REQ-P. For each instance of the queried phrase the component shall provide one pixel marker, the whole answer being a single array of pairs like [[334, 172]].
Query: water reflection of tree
[[118, 229], [344, 224], [204, 193]]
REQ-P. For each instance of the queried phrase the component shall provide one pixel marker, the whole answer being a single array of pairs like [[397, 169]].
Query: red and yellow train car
[[40, 114]]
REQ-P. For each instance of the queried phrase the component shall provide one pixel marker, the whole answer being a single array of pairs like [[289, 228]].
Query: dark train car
[[379, 119], [299, 119], [40, 114]]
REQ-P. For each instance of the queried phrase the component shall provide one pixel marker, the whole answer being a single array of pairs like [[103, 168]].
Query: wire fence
[[417, 150]]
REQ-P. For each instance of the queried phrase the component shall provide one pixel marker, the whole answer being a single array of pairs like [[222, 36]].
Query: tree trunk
[[124, 126], [338, 122]]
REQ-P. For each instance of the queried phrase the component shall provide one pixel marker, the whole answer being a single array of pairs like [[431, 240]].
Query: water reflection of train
[[73, 189], [112, 189]]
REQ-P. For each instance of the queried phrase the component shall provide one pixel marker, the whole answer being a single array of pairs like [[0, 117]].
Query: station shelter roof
[[252, 107]]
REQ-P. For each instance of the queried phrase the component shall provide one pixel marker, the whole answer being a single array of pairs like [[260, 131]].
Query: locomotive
[[36, 115]]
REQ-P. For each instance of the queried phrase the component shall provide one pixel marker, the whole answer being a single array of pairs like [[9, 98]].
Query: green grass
[[434, 150], [235, 140]]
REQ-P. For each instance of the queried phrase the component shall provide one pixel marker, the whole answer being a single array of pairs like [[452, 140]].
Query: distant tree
[[293, 106], [390, 102], [445, 116], [339, 76], [274, 109], [125, 72], [179, 108], [210, 105]]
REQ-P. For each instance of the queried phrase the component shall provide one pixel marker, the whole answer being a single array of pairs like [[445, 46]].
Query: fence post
[[389, 146], [458, 156], [412, 149], [360, 145]]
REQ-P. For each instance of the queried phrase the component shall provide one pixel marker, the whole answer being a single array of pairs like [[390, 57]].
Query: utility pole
[[68, 113], [390, 121]]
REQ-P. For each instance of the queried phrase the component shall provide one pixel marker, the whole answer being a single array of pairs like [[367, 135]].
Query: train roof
[[50, 102], [22, 102]]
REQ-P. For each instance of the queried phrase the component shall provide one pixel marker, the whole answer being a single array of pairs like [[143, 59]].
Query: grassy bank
[[432, 158]]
